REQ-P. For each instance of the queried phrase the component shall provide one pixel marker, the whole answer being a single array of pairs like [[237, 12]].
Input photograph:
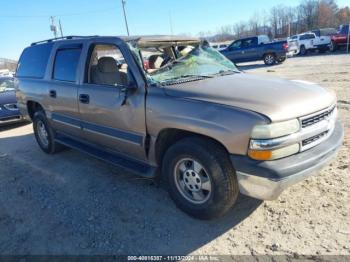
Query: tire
[[281, 60], [210, 163], [43, 129], [333, 47], [303, 50], [269, 59]]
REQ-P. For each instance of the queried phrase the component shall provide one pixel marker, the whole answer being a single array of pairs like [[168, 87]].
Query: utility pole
[[171, 24], [53, 27], [59, 23], [126, 21], [348, 42]]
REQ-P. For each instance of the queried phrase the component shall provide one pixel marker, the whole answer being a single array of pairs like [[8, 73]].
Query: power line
[[61, 15]]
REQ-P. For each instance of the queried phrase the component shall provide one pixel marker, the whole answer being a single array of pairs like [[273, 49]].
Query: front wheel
[[200, 178], [269, 59]]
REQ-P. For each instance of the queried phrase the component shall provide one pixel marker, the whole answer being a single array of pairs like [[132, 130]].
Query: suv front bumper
[[266, 180]]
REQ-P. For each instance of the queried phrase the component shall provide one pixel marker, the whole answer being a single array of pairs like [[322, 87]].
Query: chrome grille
[[314, 138], [319, 126], [317, 118]]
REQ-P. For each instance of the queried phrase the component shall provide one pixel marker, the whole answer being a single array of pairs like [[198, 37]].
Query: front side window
[[236, 45], [107, 66], [66, 64]]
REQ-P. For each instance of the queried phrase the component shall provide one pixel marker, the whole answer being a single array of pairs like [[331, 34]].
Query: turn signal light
[[260, 155]]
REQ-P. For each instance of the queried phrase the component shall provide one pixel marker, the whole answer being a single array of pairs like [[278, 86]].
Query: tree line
[[282, 21]]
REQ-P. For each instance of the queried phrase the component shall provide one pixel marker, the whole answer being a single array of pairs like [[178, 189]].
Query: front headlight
[[276, 129], [268, 141]]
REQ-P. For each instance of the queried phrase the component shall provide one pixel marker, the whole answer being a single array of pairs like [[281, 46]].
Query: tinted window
[[250, 42], [236, 45], [33, 61], [317, 32], [344, 29], [304, 37], [66, 64]]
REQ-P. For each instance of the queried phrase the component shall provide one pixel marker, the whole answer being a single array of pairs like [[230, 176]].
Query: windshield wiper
[[194, 77]]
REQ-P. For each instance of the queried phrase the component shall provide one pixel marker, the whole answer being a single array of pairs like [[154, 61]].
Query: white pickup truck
[[310, 41]]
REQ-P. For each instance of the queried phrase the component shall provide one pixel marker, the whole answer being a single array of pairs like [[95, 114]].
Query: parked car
[[310, 42], [323, 38], [207, 128], [9, 112], [341, 38], [219, 47], [256, 48], [293, 48]]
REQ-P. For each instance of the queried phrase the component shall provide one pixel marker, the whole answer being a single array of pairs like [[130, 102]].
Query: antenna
[[59, 23]]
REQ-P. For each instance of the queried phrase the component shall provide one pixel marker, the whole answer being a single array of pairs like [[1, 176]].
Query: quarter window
[[33, 61], [66, 64]]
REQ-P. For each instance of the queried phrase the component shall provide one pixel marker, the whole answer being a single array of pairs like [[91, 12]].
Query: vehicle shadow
[[70, 203], [13, 125]]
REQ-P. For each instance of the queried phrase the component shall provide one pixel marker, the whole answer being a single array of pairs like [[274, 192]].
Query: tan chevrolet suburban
[[177, 108]]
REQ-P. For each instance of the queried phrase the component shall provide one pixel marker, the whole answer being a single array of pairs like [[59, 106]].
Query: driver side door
[[112, 117]]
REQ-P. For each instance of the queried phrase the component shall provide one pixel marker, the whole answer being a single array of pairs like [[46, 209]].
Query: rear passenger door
[[63, 89], [109, 119]]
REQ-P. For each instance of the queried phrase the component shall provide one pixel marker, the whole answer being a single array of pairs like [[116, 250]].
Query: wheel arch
[[169, 136], [32, 107]]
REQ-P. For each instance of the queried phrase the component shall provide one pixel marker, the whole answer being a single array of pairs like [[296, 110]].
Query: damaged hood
[[278, 99]]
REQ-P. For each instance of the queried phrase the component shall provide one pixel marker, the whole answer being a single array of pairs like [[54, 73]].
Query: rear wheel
[[303, 50], [282, 59], [333, 47], [269, 59], [200, 178], [44, 134]]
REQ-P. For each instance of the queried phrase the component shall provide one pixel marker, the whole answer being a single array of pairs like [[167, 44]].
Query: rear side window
[[66, 64], [33, 61]]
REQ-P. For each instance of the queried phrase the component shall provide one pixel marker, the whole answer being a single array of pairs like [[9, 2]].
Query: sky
[[25, 21]]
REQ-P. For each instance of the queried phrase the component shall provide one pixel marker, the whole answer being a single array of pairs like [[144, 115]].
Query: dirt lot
[[73, 204]]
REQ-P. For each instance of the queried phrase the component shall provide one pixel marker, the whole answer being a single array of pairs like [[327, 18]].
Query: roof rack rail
[[62, 38]]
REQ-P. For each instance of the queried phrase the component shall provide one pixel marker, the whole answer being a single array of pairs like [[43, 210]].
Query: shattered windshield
[[174, 63]]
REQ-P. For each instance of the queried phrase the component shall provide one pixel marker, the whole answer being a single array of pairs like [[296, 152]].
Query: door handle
[[53, 93], [84, 98]]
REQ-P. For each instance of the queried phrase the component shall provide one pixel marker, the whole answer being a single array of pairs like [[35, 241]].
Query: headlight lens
[[269, 138], [275, 129]]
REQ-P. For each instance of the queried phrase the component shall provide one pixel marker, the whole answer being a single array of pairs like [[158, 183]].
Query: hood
[[7, 97], [276, 98]]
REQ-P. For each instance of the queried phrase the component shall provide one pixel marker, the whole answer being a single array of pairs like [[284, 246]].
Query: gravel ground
[[73, 204]]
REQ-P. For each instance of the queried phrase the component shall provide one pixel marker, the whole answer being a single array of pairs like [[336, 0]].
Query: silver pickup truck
[[176, 108]]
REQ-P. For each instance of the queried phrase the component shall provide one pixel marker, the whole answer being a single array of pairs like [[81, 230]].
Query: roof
[[141, 41]]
